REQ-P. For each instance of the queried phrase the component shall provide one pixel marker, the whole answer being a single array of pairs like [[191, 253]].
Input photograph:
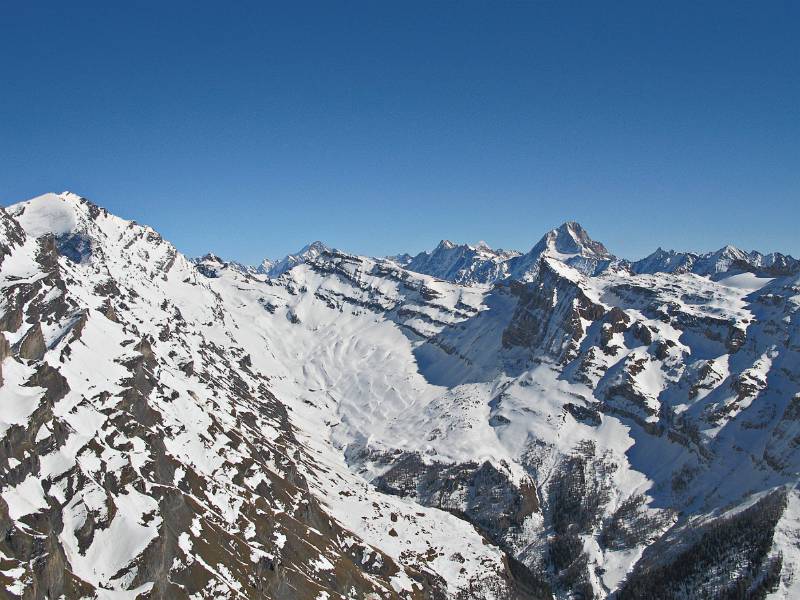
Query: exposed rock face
[[5, 350], [479, 264], [549, 315], [32, 346], [482, 494], [613, 335], [570, 244], [11, 235]]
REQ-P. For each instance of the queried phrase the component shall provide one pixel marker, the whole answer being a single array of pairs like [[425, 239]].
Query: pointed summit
[[725, 259], [445, 245], [479, 264], [211, 257], [265, 267], [572, 238], [305, 254], [569, 243], [665, 261]]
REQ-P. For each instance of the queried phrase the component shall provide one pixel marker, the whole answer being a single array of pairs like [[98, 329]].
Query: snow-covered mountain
[[401, 259], [480, 265], [724, 261], [351, 428], [465, 264], [278, 267], [569, 244], [265, 267]]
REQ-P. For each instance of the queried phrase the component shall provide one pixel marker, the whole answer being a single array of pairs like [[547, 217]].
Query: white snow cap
[[48, 213]]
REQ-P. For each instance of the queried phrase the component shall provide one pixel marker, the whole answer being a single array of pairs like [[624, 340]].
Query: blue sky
[[249, 129]]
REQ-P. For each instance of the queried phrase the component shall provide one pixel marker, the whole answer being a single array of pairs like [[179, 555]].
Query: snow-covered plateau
[[463, 424]]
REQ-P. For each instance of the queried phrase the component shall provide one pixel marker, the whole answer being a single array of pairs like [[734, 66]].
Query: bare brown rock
[[32, 345]]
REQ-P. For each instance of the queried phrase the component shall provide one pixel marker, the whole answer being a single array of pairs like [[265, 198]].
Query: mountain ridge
[[479, 264]]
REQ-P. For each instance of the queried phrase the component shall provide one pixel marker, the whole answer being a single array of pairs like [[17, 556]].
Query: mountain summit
[[308, 252], [569, 244], [572, 239]]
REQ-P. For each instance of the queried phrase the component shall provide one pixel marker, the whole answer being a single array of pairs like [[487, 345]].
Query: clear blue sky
[[249, 129]]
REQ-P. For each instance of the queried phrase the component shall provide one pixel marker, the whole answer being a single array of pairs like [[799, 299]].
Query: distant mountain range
[[570, 243]]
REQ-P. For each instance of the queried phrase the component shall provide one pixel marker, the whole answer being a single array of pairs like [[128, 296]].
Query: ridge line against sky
[[381, 129], [428, 250]]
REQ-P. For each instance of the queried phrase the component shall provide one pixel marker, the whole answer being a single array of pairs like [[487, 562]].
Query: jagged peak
[[401, 259], [659, 252], [571, 226], [210, 257], [311, 249], [670, 252], [445, 245], [571, 238], [307, 252], [480, 247], [315, 246], [729, 250]]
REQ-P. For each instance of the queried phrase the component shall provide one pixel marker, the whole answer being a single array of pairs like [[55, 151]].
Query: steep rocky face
[[483, 494], [265, 267], [550, 314], [401, 259], [11, 235], [350, 427], [665, 261]]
